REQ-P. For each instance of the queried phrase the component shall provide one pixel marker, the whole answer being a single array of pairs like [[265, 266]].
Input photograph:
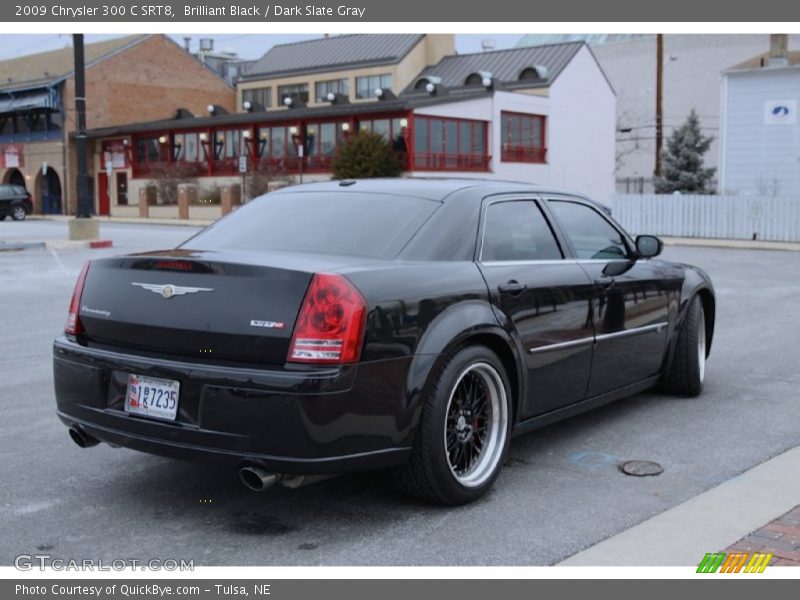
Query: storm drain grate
[[641, 468]]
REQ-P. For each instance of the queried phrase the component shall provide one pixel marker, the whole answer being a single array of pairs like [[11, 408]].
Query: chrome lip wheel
[[476, 424], [701, 346]]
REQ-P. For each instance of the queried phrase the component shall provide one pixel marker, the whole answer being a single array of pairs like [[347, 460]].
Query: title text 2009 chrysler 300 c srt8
[[408, 324]]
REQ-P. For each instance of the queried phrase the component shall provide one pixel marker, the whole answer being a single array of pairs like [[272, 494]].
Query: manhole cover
[[641, 468]]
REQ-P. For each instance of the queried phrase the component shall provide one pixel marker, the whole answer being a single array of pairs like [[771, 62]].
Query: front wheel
[[18, 212], [688, 368], [464, 430]]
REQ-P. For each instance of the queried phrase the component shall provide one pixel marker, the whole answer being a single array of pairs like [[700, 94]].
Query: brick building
[[544, 114], [127, 79]]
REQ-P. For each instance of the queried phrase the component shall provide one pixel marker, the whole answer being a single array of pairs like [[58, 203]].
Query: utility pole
[[84, 210], [659, 100], [82, 227]]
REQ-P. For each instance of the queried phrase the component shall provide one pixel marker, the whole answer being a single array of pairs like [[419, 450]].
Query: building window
[[186, 147], [366, 86], [297, 91], [446, 144], [333, 86], [274, 143], [149, 150], [262, 96], [389, 128], [522, 138], [228, 143], [114, 154]]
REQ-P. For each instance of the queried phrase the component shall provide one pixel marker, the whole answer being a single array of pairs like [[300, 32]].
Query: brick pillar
[[147, 197], [230, 197], [187, 194]]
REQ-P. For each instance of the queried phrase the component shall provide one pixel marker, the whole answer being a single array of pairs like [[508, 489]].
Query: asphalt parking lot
[[561, 490]]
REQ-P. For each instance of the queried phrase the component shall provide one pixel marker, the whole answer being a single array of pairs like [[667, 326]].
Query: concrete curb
[[709, 522], [16, 246], [131, 220], [736, 244]]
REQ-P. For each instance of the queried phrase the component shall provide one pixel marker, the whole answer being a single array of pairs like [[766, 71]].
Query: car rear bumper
[[304, 421]]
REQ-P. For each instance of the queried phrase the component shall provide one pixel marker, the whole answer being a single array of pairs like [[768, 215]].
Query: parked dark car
[[15, 201], [409, 324]]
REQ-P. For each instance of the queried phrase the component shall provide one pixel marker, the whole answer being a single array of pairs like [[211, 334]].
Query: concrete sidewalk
[[729, 517], [672, 241]]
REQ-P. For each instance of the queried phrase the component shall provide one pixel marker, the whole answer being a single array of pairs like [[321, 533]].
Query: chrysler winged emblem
[[169, 290]]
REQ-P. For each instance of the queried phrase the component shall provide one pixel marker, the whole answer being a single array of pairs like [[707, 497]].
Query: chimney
[[778, 50], [187, 44]]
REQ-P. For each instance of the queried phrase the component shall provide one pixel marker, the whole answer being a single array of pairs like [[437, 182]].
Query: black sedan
[[409, 324]]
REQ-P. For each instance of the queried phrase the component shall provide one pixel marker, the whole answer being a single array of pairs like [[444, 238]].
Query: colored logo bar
[[734, 562]]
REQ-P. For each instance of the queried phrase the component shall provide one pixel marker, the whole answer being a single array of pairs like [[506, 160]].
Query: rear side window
[[591, 235], [517, 230], [348, 223]]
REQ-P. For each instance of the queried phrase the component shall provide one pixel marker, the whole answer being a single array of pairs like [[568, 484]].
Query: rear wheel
[[18, 212], [2, 217], [463, 433], [688, 368]]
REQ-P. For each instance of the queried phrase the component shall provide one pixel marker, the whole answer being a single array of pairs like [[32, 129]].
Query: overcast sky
[[248, 46]]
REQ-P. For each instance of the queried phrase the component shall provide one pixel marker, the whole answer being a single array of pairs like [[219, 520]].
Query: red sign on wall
[[12, 156]]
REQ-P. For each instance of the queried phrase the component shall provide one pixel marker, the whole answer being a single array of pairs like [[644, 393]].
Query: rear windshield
[[349, 223]]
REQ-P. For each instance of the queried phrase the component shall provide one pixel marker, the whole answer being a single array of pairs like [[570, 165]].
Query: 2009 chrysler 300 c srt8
[[408, 324]]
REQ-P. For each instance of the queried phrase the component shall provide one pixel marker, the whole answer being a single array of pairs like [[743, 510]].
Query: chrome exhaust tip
[[80, 437], [257, 478]]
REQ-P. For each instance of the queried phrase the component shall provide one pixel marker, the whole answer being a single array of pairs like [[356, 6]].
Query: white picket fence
[[772, 218]]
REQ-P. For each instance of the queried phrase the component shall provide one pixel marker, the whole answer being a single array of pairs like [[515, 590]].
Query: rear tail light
[[330, 326], [74, 325]]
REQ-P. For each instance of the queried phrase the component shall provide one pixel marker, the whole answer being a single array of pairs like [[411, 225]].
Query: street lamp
[[299, 145]]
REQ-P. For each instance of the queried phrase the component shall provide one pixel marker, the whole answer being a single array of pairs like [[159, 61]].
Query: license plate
[[152, 397]]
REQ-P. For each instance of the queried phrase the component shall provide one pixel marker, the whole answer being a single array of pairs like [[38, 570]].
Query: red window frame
[[512, 148], [428, 160]]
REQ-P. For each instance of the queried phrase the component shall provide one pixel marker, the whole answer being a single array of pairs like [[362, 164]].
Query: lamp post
[[299, 144], [82, 227], [406, 134]]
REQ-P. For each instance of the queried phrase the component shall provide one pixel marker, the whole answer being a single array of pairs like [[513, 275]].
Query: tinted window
[[517, 231], [358, 224], [591, 235]]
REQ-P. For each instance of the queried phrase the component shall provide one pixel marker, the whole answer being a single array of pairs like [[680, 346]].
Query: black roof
[[431, 188], [284, 115], [504, 65], [333, 53]]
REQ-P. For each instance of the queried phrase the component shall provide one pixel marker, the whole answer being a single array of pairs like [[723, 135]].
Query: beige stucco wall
[[428, 51]]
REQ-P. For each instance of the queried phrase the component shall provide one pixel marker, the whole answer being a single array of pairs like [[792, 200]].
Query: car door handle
[[604, 282], [512, 287]]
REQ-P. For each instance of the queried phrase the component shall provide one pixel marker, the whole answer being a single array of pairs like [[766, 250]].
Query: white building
[[760, 136], [572, 99], [693, 67]]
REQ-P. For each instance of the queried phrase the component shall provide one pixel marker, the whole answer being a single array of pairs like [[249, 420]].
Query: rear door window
[[516, 230]]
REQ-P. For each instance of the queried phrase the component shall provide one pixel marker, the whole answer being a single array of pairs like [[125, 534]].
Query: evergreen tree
[[682, 162], [365, 154]]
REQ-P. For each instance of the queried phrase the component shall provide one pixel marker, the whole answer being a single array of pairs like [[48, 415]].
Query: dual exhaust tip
[[259, 479], [255, 477]]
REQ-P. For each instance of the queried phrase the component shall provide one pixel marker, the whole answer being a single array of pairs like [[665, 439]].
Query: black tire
[[469, 384], [687, 372], [2, 217], [18, 212]]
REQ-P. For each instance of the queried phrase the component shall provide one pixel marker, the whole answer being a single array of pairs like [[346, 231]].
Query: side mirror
[[648, 246]]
